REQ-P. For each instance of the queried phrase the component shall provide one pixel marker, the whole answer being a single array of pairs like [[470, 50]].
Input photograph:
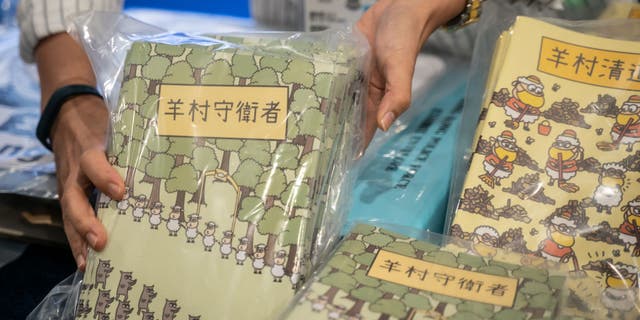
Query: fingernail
[[92, 239], [387, 120], [114, 189], [80, 260]]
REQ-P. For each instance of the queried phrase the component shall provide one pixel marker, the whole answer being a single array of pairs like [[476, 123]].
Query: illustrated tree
[[286, 156], [243, 66], [303, 99], [256, 150], [360, 274], [182, 148], [468, 308], [179, 72], [402, 248], [392, 290], [264, 77], [470, 261], [311, 126], [298, 73], [272, 224], [158, 169], [203, 159], [182, 179], [130, 124], [423, 248], [227, 146], [292, 129], [138, 55], [351, 247], [539, 296], [443, 302], [376, 241], [247, 176], [272, 183], [275, 62], [149, 109], [442, 257], [199, 57], [389, 308], [322, 86], [132, 91], [361, 229], [218, 73], [169, 51], [251, 211], [154, 71], [361, 295], [291, 236], [308, 169], [337, 281], [415, 301]]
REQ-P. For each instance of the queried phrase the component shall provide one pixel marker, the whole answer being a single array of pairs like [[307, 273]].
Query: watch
[[470, 14]]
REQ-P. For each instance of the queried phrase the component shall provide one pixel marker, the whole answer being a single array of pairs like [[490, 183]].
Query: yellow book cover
[[556, 167]]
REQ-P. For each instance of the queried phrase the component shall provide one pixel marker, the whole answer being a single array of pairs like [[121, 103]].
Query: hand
[[78, 139], [396, 31]]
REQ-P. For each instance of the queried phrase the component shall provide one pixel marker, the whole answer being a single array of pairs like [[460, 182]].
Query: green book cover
[[225, 150], [380, 274]]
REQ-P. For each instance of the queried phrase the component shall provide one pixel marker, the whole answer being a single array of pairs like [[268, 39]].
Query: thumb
[[397, 95]]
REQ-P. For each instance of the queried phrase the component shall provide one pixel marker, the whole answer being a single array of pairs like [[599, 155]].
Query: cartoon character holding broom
[[564, 155], [499, 163], [630, 227], [626, 130]]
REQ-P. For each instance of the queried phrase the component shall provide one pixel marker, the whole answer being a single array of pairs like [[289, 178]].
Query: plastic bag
[[234, 150], [386, 271], [552, 165], [401, 180], [26, 167]]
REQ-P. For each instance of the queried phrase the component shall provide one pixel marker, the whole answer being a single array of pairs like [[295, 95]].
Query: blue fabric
[[230, 8]]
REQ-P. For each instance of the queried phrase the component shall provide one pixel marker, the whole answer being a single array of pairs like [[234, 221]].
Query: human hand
[[78, 141], [396, 30]]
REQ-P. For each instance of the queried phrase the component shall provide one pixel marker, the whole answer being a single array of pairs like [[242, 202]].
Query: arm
[[396, 31], [79, 132]]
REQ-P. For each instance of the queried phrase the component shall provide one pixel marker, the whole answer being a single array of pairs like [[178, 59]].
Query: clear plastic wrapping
[[234, 150], [386, 271], [548, 155]]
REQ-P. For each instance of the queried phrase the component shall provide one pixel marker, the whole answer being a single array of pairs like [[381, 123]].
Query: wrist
[[61, 61]]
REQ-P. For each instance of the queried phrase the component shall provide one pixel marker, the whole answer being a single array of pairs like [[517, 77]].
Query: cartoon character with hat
[[124, 204], [525, 103], [241, 251], [173, 223], [608, 193], [626, 130], [620, 294], [209, 239], [562, 164], [192, 227], [630, 228], [138, 210], [561, 234], [499, 163], [258, 258], [155, 217], [277, 271], [225, 244], [484, 241]]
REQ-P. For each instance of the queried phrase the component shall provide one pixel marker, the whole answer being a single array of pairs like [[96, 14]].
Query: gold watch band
[[470, 14]]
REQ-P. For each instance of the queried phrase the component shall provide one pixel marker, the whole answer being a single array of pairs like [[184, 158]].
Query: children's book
[[376, 273], [555, 171], [226, 151]]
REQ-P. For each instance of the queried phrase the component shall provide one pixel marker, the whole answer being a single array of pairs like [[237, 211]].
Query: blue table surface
[[230, 8]]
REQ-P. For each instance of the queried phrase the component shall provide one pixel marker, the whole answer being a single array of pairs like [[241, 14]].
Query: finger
[[397, 95], [77, 244], [78, 212], [95, 166]]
